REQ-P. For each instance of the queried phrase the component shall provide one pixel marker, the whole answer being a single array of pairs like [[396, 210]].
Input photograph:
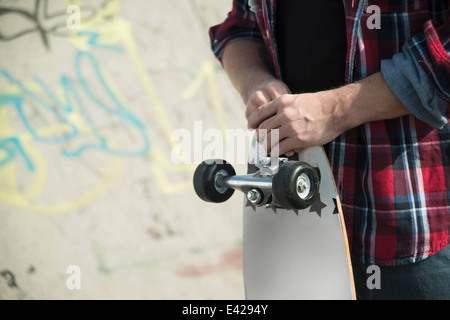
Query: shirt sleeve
[[420, 74], [240, 24]]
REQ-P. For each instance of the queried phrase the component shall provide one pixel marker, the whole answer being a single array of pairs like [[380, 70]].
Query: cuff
[[413, 88]]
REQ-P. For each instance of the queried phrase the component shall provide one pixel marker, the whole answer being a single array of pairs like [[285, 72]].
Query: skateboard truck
[[284, 184]]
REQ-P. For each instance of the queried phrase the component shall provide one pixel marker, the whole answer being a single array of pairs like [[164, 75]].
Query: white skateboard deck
[[298, 254]]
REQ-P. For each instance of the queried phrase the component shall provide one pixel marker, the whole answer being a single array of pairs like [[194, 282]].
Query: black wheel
[[205, 177], [296, 185]]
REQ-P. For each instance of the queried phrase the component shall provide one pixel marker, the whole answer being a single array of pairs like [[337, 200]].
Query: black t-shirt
[[312, 44]]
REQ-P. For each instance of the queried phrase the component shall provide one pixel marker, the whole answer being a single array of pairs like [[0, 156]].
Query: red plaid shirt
[[393, 176]]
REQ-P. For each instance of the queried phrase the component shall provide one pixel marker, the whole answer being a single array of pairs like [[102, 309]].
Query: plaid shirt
[[393, 176]]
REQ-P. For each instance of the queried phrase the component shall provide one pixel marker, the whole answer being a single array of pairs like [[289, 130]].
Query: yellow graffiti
[[207, 74], [118, 30], [11, 193], [112, 30]]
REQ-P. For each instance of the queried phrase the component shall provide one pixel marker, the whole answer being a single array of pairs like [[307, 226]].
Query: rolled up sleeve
[[420, 74], [240, 24]]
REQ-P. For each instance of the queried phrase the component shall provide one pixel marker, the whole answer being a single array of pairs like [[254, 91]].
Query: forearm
[[245, 63], [366, 101]]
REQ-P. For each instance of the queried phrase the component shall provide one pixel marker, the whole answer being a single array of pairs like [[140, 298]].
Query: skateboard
[[294, 239]]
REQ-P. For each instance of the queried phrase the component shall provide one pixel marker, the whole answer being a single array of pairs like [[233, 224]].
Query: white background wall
[[86, 175]]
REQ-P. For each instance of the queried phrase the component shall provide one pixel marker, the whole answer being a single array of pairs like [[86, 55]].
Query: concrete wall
[[87, 173]]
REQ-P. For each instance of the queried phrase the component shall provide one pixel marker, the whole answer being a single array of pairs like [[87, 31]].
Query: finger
[[284, 146], [293, 152], [278, 89], [270, 123], [265, 144], [267, 125], [290, 153], [260, 135], [258, 99], [262, 113], [273, 139]]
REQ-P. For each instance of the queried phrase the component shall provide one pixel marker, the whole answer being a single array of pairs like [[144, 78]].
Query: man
[[371, 81]]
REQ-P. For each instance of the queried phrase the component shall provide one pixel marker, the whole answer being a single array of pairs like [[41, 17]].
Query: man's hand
[[315, 119], [306, 119], [262, 94], [246, 65], [302, 120]]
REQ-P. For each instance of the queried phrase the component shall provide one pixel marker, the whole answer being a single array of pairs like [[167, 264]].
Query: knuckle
[[302, 139], [284, 99]]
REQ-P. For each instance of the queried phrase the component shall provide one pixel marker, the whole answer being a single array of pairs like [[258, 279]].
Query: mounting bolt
[[254, 196]]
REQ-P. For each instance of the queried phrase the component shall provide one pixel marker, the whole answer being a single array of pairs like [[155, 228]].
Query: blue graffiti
[[12, 147], [17, 101], [94, 41], [72, 100]]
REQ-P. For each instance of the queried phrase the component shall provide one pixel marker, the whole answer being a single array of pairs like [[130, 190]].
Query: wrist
[[254, 80], [339, 105]]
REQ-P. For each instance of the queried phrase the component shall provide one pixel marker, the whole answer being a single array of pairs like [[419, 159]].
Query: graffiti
[[74, 114], [73, 118], [86, 169], [231, 259], [68, 106], [44, 22], [11, 146], [9, 277], [9, 289]]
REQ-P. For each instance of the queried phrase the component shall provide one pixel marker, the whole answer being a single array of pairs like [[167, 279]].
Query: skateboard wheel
[[206, 177], [296, 185]]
